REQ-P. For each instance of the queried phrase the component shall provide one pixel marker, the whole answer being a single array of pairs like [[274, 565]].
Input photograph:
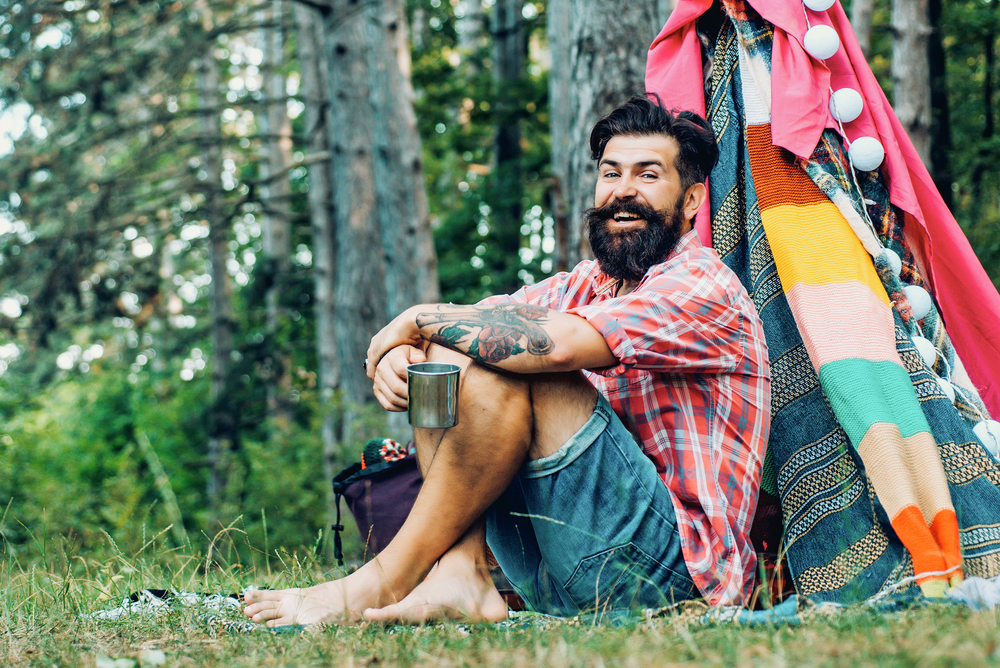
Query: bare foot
[[335, 602], [457, 590]]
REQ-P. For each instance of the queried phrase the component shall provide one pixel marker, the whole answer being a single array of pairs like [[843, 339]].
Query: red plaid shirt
[[692, 385]]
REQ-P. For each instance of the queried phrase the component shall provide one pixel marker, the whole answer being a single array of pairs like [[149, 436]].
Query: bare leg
[[466, 469], [502, 421], [460, 586]]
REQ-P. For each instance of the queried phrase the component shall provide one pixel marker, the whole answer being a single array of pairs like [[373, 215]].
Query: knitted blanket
[[878, 474]]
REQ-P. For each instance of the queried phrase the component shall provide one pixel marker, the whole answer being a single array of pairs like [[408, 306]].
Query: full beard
[[628, 254]]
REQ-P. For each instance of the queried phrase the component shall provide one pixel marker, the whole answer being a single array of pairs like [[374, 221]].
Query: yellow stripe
[[814, 245]]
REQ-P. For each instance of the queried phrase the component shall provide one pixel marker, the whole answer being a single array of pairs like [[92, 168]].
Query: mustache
[[628, 206]]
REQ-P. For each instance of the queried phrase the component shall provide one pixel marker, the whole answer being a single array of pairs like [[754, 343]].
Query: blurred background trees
[[208, 207]]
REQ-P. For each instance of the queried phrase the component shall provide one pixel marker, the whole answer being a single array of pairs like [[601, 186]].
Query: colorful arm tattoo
[[490, 334]]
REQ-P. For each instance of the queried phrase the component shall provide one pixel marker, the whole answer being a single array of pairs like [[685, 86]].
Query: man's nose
[[625, 188]]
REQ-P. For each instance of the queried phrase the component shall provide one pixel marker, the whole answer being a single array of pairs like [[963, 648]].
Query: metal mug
[[433, 390]]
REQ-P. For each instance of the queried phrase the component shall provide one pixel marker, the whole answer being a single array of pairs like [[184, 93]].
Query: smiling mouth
[[626, 219]]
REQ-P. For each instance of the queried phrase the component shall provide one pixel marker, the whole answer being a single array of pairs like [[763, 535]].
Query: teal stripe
[[863, 393]]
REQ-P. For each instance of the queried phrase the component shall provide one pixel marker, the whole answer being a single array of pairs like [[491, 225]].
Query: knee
[[490, 389]]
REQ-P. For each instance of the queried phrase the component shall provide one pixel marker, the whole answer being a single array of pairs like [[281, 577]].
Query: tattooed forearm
[[489, 334]]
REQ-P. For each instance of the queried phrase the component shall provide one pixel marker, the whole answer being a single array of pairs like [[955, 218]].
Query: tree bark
[[385, 254], [940, 109], [861, 21], [222, 420], [911, 74], [595, 69], [509, 55], [984, 159], [276, 142], [312, 64]]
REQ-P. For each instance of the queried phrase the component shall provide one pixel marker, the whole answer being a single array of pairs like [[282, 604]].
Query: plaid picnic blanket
[[878, 474]]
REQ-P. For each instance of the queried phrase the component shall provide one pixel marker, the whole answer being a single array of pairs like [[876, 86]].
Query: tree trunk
[[559, 24], [276, 142], [940, 110], [471, 28], [602, 62], [222, 420], [385, 255], [861, 21], [911, 74], [985, 160], [312, 65], [509, 55]]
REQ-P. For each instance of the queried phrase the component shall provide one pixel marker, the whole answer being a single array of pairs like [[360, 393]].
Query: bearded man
[[613, 418]]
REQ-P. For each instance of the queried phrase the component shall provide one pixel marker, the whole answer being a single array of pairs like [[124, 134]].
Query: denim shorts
[[590, 528]]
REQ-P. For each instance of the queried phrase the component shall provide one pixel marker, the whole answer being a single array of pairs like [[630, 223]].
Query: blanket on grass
[[879, 475]]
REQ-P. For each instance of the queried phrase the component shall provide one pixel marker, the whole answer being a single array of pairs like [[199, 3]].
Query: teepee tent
[[882, 326]]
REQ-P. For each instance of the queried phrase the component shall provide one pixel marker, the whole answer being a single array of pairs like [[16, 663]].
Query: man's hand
[[402, 331], [390, 376]]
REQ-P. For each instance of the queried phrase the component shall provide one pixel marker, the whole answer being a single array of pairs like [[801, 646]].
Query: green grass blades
[[46, 619]]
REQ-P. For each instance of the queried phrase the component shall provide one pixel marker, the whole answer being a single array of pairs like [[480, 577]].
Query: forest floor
[[46, 618]]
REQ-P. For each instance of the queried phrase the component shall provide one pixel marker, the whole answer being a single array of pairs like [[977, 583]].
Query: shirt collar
[[605, 285]]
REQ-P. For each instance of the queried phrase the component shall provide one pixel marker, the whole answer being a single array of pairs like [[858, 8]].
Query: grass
[[40, 617]]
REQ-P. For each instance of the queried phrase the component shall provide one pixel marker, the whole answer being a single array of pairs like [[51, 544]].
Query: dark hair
[[640, 116]]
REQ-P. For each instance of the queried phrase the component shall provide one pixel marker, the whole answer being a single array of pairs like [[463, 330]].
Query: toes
[[260, 612], [418, 613]]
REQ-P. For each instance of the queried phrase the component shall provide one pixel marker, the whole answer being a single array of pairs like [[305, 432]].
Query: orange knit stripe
[[945, 529], [916, 536], [777, 179]]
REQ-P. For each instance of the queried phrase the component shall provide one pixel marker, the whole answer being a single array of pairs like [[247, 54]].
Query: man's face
[[640, 209]]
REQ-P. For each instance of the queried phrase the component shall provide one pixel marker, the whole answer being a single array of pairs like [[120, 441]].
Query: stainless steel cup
[[433, 390]]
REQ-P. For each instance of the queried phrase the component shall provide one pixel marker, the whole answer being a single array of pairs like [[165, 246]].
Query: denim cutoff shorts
[[590, 528]]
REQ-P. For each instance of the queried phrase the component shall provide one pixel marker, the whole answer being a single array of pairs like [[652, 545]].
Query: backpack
[[380, 491]]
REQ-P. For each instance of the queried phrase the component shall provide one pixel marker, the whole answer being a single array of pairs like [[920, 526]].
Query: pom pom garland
[[866, 153], [947, 388], [920, 301], [896, 264], [821, 42], [988, 433], [926, 349], [846, 105]]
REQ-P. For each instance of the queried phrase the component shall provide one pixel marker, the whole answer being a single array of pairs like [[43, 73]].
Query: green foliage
[[72, 469], [458, 110], [970, 34]]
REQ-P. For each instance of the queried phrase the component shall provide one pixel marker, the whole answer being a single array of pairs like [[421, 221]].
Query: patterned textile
[[877, 472], [799, 99], [692, 385]]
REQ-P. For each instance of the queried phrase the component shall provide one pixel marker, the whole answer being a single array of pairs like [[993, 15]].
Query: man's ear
[[693, 199]]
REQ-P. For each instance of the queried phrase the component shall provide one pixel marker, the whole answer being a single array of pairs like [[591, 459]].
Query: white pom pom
[[821, 42], [892, 257], [866, 153], [920, 301], [926, 350], [818, 5], [988, 433], [846, 105], [947, 388]]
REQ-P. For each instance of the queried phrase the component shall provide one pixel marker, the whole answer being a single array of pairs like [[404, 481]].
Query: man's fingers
[[389, 401]]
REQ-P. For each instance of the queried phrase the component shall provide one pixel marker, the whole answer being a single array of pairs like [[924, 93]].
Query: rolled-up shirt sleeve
[[671, 323]]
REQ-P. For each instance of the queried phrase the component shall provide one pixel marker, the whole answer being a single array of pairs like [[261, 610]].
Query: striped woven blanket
[[881, 480]]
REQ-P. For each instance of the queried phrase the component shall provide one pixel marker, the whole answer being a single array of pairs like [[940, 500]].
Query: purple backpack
[[380, 490]]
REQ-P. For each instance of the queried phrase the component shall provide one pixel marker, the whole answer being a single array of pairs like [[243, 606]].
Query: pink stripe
[[843, 321]]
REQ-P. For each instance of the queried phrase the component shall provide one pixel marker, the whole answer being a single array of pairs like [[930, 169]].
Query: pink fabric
[[800, 93]]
